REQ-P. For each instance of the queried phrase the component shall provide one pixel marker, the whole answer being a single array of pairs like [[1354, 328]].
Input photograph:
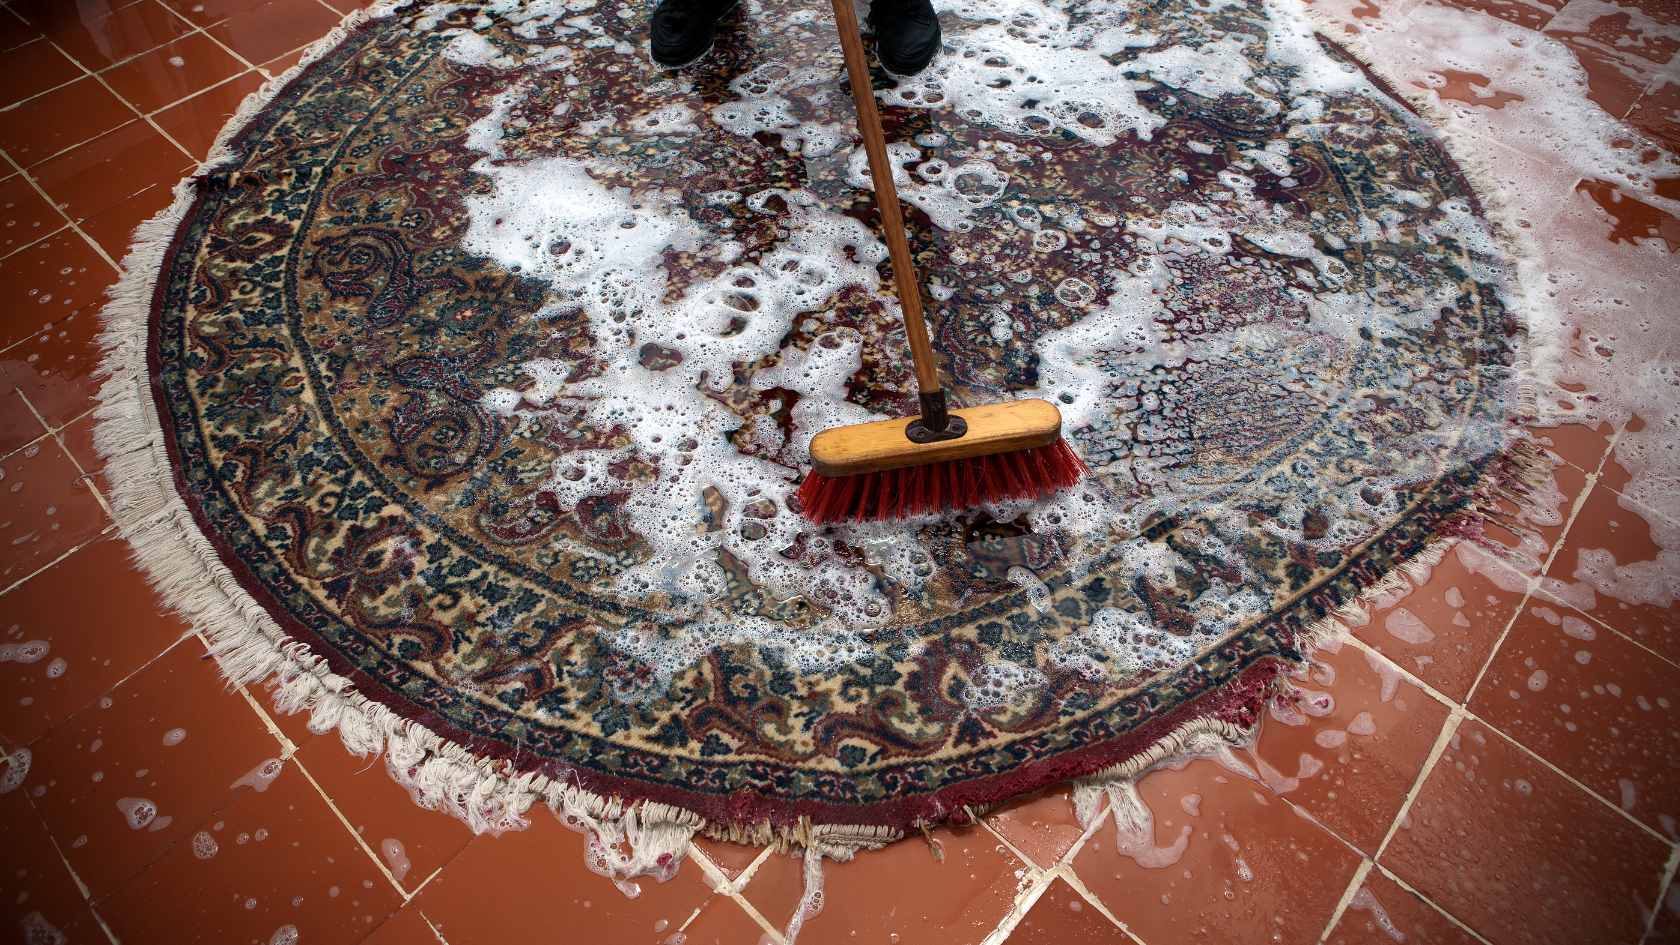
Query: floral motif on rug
[[489, 360]]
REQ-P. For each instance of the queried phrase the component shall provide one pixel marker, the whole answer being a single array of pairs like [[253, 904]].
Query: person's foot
[[681, 31], [906, 34]]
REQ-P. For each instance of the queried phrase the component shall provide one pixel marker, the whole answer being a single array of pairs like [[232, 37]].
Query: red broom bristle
[[958, 485]]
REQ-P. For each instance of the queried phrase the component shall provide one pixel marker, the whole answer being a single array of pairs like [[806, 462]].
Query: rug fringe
[[488, 795], [1199, 738]]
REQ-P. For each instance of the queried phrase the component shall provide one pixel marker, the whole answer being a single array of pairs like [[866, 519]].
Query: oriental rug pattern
[[487, 363]]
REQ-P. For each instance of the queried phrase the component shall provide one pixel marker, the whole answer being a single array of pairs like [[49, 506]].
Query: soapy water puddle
[[1205, 236]]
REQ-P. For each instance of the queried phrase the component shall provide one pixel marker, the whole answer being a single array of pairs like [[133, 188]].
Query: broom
[[944, 459]]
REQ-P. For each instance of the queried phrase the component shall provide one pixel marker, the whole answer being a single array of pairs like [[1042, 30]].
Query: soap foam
[[1025, 67]]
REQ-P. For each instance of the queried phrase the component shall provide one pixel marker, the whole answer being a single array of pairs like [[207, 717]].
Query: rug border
[[490, 793]]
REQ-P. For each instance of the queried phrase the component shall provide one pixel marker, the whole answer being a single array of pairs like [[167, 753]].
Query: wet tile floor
[[1451, 794]]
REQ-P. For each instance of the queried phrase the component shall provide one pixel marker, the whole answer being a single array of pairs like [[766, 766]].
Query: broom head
[[872, 471]]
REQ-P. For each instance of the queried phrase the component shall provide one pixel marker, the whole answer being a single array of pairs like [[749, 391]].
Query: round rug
[[483, 361]]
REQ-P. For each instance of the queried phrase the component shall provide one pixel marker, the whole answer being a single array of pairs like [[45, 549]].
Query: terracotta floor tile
[[87, 766], [296, 726], [1534, 526], [281, 857], [102, 41], [1632, 220], [1062, 915], [46, 282], [1455, 620], [25, 216], [1382, 912], [113, 227], [280, 64], [1577, 444], [208, 12], [15, 31], [56, 120], [347, 6], [414, 842], [1665, 927], [35, 887], [1250, 870], [1521, 855], [172, 72], [1533, 14], [77, 440], [18, 424], [957, 900], [31, 69], [775, 887], [407, 927], [1351, 766], [1606, 530], [1658, 111], [114, 166], [263, 33], [722, 922], [86, 928], [46, 509], [1620, 33], [521, 886], [196, 122], [51, 15], [1041, 825], [84, 658], [55, 369], [1593, 704], [731, 858]]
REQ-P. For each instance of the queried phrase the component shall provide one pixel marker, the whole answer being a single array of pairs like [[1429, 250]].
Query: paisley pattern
[[1266, 441]]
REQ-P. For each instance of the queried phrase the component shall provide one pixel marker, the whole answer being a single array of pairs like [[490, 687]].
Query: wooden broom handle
[[886, 197]]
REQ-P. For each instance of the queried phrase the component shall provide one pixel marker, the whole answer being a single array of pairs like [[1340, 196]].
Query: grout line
[[199, 29], [63, 212], [1353, 887], [1493, 652], [752, 868], [1390, 875], [1572, 780], [19, 582], [1372, 652], [434, 873], [429, 925], [1013, 849], [1024, 901], [1663, 889], [38, 239], [87, 894], [1461, 713], [724, 886], [104, 926], [1066, 870], [1448, 729], [774, 934], [1072, 879], [360, 840]]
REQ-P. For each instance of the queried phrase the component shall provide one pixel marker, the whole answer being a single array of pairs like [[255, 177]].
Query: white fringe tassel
[[485, 794], [625, 840]]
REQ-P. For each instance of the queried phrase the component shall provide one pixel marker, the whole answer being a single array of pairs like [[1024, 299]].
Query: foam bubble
[[138, 811], [203, 845], [260, 777], [395, 857], [17, 768]]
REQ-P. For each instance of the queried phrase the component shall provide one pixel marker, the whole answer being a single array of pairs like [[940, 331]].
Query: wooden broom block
[[994, 428]]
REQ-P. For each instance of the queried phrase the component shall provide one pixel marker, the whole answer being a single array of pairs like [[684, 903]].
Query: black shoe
[[682, 30], [906, 34]]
